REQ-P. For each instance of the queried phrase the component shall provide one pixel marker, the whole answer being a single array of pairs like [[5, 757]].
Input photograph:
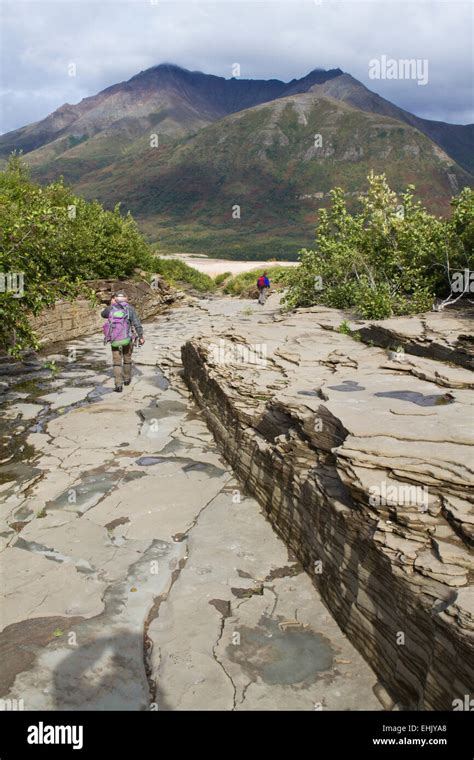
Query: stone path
[[136, 572]]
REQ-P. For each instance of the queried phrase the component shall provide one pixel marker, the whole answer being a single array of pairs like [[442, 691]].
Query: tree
[[384, 260], [51, 242]]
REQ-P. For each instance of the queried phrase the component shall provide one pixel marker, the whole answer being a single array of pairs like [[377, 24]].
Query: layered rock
[[137, 575], [364, 467], [443, 336], [67, 320]]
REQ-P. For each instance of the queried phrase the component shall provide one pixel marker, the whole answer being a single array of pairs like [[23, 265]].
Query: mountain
[[456, 139], [226, 142], [165, 100], [267, 161]]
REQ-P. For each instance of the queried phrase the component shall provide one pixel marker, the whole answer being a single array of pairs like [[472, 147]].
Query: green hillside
[[267, 160]]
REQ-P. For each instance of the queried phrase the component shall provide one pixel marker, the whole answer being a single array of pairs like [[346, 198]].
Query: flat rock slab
[[364, 464], [26, 411], [67, 398], [138, 573]]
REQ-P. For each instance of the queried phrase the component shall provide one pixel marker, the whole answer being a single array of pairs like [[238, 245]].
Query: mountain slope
[[266, 160], [234, 141], [175, 102], [457, 140], [165, 99]]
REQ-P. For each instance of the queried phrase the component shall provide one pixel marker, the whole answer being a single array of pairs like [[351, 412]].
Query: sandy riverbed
[[213, 267]]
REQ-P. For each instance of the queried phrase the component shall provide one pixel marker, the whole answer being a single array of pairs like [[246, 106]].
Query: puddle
[[24, 514], [98, 392], [162, 382], [17, 462], [162, 409], [81, 565], [187, 465], [291, 656], [210, 469], [347, 386], [17, 473], [149, 461], [436, 399], [35, 548], [34, 387], [133, 475], [174, 446], [86, 493]]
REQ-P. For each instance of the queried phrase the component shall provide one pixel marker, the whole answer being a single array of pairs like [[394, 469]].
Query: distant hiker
[[262, 284], [122, 330]]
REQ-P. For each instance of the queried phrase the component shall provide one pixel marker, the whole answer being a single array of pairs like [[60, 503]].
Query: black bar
[[315, 734]]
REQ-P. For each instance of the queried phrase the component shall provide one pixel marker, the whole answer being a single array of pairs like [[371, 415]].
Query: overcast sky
[[110, 41]]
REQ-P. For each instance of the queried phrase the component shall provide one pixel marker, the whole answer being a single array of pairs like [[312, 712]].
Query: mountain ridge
[[214, 97], [265, 160], [183, 101], [179, 148]]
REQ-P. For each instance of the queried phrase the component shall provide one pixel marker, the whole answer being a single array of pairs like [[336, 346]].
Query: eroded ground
[[136, 573]]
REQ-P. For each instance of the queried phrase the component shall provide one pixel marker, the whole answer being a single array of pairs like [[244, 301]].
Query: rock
[[68, 320], [67, 397], [437, 336], [452, 553], [134, 559], [26, 411], [452, 575], [366, 476], [384, 697]]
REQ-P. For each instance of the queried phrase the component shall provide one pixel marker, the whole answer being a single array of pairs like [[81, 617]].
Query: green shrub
[[390, 258], [246, 280], [56, 240], [176, 271], [220, 278], [344, 328]]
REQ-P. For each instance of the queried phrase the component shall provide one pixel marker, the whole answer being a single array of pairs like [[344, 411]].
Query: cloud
[[109, 41]]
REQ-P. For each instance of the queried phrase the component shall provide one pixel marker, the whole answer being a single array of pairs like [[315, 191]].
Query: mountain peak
[[182, 102]]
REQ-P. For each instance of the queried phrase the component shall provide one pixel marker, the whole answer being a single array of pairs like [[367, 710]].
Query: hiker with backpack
[[122, 330], [262, 284]]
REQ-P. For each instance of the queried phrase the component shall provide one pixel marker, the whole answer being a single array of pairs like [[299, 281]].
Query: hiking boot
[[118, 389], [127, 382]]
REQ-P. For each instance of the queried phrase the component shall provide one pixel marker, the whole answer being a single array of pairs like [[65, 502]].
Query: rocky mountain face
[[177, 100], [252, 181], [180, 149], [363, 466], [457, 140]]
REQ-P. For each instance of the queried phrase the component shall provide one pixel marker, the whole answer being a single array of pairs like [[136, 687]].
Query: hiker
[[122, 323], [262, 284]]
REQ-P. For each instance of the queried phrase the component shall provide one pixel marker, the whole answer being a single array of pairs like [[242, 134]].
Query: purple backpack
[[117, 329]]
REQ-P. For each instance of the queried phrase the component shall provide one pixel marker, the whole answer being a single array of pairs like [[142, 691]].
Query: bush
[[56, 240], [247, 280], [220, 278], [391, 258], [176, 271]]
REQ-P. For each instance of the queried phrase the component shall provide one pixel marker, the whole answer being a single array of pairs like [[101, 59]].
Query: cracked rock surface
[[363, 463], [137, 573]]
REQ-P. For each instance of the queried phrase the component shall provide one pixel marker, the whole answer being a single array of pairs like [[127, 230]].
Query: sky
[[61, 51]]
